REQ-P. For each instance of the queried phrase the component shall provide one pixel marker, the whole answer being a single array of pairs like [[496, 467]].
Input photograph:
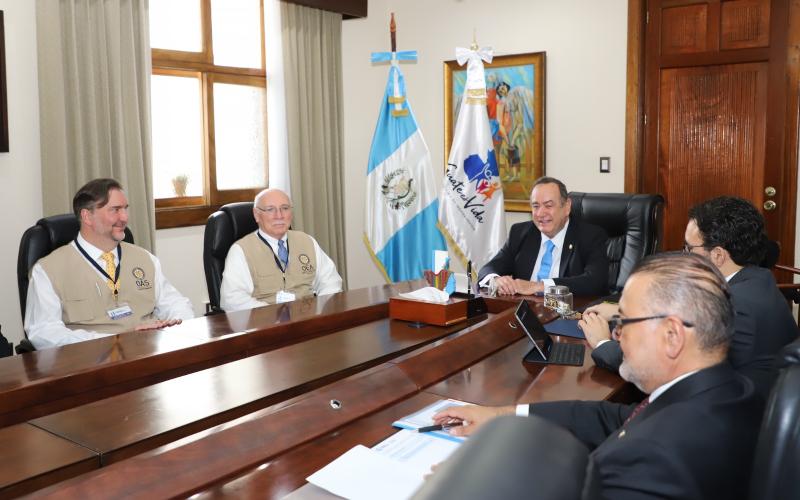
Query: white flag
[[471, 210]]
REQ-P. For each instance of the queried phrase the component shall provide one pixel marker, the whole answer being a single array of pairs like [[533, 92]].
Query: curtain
[[312, 71], [94, 101]]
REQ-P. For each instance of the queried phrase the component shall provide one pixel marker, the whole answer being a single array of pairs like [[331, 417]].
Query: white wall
[[180, 251], [585, 42], [20, 168]]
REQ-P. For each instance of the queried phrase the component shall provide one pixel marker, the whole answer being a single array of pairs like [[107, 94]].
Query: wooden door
[[718, 106]]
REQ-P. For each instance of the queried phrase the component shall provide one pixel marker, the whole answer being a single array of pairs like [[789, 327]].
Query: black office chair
[[38, 241], [223, 228], [634, 225], [512, 458], [778, 449]]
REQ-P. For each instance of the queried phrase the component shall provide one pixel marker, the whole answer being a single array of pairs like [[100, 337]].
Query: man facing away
[[550, 250], [693, 437], [275, 264], [730, 233], [99, 285]]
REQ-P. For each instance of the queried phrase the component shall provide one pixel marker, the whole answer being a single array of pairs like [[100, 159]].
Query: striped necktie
[[547, 261], [283, 253]]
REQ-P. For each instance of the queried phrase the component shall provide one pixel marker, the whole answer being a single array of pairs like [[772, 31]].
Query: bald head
[[272, 210]]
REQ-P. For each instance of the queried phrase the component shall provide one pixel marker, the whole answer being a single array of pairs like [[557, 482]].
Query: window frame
[[194, 210]]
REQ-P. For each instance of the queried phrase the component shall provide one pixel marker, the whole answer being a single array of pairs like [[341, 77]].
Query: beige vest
[[268, 278], [86, 297]]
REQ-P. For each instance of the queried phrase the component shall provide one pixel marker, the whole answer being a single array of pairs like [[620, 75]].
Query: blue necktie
[[547, 261], [283, 253]]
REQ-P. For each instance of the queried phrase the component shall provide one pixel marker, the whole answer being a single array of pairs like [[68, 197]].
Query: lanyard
[[274, 255], [103, 271]]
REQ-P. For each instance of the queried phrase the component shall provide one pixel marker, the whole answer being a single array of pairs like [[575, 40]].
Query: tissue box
[[446, 314]]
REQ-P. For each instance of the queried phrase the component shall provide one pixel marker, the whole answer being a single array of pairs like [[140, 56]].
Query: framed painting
[[515, 105]]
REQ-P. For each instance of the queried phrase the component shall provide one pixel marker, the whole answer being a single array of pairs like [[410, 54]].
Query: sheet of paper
[[362, 473], [424, 418], [394, 469], [418, 451]]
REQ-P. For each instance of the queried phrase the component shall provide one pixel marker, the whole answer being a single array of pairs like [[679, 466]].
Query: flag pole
[[392, 33]]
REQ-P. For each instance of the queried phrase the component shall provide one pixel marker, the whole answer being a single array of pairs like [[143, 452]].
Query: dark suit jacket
[[695, 441], [762, 326], [584, 262]]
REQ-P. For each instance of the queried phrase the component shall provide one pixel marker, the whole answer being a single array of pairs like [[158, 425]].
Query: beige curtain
[[312, 68], [94, 103]]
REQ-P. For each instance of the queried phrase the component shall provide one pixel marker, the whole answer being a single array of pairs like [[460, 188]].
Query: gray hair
[[690, 286]]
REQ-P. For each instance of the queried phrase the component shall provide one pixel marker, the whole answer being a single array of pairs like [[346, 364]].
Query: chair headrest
[[61, 228]]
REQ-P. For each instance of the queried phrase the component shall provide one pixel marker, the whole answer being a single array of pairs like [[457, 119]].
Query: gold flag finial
[[474, 45]]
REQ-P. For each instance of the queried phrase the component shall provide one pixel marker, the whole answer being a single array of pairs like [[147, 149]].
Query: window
[[209, 116]]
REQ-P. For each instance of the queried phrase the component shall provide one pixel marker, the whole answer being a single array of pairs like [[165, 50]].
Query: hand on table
[[156, 324], [472, 416], [595, 327]]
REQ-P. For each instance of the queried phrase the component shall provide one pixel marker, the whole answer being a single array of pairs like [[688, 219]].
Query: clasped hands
[[506, 285], [594, 323]]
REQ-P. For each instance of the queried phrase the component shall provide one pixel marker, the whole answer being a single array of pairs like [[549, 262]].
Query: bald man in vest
[[99, 285], [275, 264]]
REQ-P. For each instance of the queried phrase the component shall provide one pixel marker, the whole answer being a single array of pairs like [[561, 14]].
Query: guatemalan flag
[[471, 211], [402, 207]]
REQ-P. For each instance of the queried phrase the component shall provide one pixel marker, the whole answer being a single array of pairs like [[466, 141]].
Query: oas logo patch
[[139, 278], [305, 264]]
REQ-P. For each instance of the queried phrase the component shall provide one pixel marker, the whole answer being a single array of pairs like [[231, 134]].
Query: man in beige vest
[[99, 285], [274, 264]]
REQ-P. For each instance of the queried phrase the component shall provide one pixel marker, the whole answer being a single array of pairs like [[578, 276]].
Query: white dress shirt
[[44, 324], [236, 291]]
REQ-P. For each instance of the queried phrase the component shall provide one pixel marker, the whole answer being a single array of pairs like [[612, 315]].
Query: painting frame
[[521, 162], [4, 144]]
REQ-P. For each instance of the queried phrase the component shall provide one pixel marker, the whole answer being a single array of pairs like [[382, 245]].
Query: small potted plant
[[179, 183]]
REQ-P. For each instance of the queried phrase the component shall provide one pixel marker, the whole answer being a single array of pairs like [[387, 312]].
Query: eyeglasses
[[271, 211], [687, 248], [616, 323]]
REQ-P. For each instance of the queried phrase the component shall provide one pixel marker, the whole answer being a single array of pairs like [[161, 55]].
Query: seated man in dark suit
[[694, 435], [730, 232], [550, 250]]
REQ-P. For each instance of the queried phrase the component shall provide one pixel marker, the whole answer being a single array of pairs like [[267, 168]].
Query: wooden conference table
[[250, 403]]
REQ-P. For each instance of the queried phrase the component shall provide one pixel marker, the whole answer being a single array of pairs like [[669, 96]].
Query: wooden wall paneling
[[634, 95], [744, 23], [788, 177], [711, 136], [684, 29]]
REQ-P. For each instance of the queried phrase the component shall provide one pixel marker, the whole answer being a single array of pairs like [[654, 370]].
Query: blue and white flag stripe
[[402, 205]]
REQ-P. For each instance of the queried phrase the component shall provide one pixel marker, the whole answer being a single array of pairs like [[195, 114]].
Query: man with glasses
[[730, 233], [694, 435], [275, 264], [550, 249]]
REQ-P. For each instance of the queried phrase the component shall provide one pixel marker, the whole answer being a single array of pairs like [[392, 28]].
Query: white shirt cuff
[[548, 282], [602, 342], [486, 279], [522, 410]]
